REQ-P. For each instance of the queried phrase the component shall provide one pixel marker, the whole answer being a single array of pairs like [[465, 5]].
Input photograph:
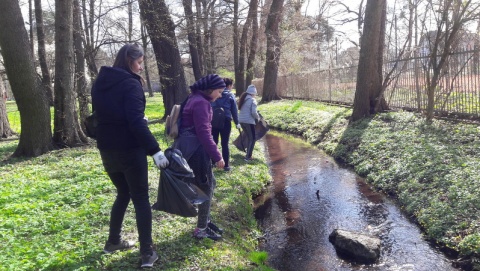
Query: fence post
[[417, 84]]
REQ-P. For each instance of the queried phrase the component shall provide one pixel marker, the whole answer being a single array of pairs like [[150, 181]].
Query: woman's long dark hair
[[126, 55], [241, 101]]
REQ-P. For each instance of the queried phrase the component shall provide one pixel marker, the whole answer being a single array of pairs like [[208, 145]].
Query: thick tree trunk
[[36, 134], [273, 52], [67, 132], [370, 76], [42, 56], [5, 130], [162, 34]]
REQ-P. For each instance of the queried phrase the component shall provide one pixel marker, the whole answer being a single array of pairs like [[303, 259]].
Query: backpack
[[173, 121], [218, 119]]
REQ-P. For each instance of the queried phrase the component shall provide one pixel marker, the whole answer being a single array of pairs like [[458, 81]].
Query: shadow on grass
[[172, 254], [329, 126], [350, 139], [6, 151]]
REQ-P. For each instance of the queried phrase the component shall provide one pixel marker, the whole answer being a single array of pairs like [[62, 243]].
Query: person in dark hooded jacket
[[124, 141]]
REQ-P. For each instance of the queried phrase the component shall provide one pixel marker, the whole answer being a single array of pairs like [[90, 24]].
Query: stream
[[311, 195]]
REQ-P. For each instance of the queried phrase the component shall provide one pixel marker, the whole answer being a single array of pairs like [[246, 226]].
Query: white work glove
[[239, 126], [160, 160]]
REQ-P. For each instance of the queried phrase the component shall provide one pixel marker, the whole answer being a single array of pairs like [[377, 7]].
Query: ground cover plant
[[433, 170], [54, 212]]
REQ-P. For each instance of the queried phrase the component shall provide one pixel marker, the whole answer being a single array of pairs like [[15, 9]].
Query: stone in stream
[[356, 246]]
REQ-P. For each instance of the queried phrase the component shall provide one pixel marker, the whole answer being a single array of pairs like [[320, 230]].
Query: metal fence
[[458, 90]]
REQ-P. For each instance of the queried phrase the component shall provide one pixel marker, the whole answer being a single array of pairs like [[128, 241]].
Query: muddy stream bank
[[311, 195]]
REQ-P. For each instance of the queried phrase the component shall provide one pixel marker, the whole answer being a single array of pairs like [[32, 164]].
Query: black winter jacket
[[119, 103]]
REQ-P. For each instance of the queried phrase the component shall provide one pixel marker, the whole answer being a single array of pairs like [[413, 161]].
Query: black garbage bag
[[241, 141], [261, 129], [176, 192]]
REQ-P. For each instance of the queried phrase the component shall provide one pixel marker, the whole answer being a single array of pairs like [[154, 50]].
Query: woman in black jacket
[[124, 141]]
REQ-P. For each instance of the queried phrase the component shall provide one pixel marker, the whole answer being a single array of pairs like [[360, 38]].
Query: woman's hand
[[220, 164]]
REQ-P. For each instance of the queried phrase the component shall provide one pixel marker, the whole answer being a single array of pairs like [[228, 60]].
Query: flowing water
[[311, 195]]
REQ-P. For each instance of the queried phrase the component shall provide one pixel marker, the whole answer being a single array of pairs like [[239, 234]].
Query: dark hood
[[109, 77]]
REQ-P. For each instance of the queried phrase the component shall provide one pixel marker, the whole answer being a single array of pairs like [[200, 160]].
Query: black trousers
[[202, 168], [225, 138], [250, 131], [128, 171]]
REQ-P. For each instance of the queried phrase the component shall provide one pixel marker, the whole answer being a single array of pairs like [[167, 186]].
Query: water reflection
[[311, 195]]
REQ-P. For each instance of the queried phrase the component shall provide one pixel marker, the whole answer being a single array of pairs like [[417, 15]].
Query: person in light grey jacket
[[248, 117]]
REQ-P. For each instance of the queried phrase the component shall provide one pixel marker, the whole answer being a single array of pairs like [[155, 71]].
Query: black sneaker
[[149, 259], [206, 233], [214, 228], [227, 168], [123, 244]]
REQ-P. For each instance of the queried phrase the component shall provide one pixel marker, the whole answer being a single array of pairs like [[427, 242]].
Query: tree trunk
[[273, 52], [200, 45], [162, 34], [206, 38], [42, 56], [212, 40], [130, 20], [5, 130], [240, 70], [253, 43], [67, 132], [370, 75], [36, 134], [239, 88], [80, 80], [30, 22], [145, 59], [88, 23], [192, 42]]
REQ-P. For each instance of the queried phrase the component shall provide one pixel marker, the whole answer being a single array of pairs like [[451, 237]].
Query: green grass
[[433, 170], [13, 116], [54, 212]]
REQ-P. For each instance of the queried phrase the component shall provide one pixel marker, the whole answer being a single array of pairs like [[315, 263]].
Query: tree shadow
[[171, 253], [350, 139]]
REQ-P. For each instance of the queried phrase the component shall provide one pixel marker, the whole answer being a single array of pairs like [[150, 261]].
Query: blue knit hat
[[211, 81], [252, 90]]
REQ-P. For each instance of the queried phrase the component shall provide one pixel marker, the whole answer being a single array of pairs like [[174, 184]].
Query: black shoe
[[214, 228], [123, 244], [149, 259], [206, 233], [227, 168]]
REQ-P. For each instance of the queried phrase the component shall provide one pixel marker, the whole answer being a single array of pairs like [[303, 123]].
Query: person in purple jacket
[[196, 143], [125, 141]]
